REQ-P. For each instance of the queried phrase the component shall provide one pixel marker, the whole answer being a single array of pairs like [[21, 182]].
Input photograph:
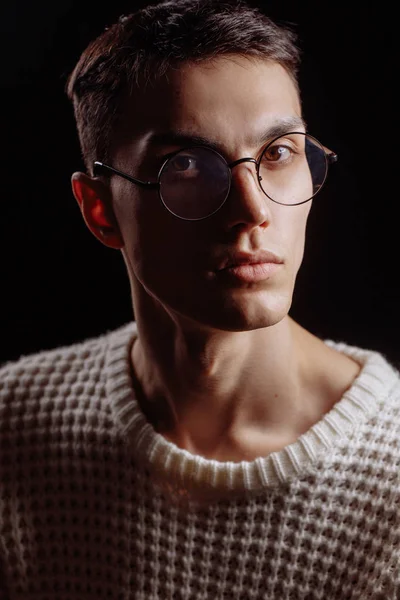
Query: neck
[[207, 389]]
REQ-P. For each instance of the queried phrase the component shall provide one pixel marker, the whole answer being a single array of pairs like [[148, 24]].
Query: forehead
[[230, 101]]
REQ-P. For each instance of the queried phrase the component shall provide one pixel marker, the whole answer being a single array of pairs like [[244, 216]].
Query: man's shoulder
[[51, 367], [48, 356]]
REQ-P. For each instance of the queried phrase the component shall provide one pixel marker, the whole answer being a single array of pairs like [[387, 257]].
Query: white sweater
[[94, 504]]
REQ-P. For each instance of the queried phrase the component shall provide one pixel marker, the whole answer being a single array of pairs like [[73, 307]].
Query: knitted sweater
[[95, 504]]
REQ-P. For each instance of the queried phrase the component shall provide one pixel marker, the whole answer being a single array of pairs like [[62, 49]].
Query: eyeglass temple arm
[[331, 156], [98, 167]]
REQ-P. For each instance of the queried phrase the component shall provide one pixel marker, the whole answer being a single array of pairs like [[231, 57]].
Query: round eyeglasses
[[194, 182]]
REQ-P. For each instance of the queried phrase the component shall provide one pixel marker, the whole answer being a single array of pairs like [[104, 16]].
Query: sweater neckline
[[154, 452]]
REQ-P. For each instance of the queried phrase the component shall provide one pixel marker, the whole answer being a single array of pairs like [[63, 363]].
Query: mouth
[[251, 273], [250, 268]]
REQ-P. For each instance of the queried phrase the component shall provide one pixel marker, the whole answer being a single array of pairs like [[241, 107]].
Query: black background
[[60, 285]]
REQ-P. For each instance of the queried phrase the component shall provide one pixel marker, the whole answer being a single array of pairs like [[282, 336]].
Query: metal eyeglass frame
[[330, 156]]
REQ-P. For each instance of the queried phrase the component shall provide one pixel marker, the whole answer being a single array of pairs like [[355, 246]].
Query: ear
[[94, 199]]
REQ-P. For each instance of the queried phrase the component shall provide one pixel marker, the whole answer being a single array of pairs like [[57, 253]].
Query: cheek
[[300, 231], [293, 232], [158, 243]]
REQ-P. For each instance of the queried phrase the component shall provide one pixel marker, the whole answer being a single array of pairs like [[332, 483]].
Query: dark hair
[[145, 44]]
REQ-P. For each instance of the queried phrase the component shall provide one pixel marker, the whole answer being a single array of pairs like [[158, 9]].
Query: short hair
[[144, 45]]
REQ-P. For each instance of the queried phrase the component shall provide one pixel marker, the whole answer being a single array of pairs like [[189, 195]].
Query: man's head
[[142, 47], [180, 74]]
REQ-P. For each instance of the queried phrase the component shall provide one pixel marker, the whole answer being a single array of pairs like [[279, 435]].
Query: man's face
[[233, 103]]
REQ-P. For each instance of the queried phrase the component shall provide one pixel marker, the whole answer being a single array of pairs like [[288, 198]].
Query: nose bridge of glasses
[[240, 161], [245, 160]]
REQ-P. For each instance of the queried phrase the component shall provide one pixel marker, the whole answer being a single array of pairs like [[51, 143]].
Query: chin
[[241, 314]]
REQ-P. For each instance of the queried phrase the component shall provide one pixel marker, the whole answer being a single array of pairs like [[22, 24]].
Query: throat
[[259, 403]]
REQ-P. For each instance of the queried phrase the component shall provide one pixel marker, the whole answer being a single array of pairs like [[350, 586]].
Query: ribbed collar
[[372, 386]]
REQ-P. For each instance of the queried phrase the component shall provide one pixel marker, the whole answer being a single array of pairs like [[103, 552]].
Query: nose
[[247, 204]]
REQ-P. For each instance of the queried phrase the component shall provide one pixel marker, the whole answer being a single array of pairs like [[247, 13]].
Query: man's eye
[[277, 153], [183, 163]]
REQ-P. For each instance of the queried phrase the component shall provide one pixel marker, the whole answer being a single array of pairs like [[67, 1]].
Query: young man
[[212, 448]]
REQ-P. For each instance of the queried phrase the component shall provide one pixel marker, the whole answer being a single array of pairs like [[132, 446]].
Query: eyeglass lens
[[194, 183]]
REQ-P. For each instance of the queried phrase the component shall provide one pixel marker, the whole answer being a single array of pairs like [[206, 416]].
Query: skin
[[221, 368]]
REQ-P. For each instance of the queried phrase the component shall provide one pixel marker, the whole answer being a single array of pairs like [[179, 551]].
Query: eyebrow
[[181, 138]]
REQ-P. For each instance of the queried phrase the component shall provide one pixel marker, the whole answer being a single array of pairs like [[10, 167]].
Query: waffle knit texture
[[95, 504]]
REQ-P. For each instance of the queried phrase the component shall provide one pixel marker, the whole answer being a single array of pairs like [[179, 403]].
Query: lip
[[241, 258], [251, 273], [249, 268]]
